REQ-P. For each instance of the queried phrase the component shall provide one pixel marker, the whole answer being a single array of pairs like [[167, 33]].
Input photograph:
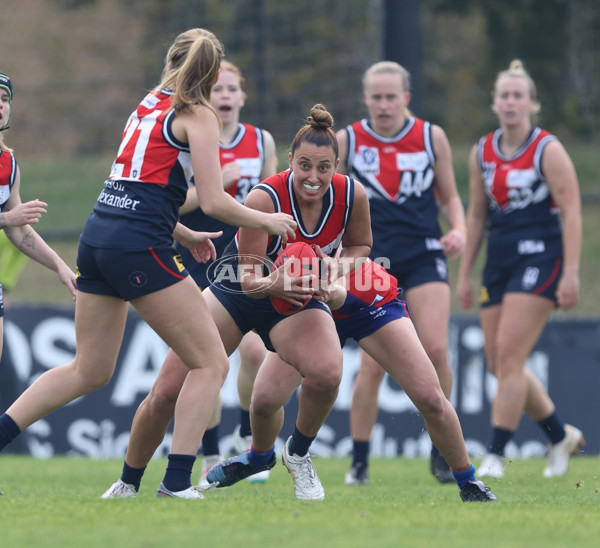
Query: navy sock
[[462, 477], [8, 430], [245, 429], [210, 442], [299, 443], [179, 472], [554, 428], [500, 437], [360, 452], [133, 476], [260, 458]]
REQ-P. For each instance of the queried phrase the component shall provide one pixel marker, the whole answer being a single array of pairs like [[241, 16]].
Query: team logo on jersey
[[530, 277], [367, 161]]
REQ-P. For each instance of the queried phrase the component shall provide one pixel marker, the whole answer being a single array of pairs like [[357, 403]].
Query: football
[[304, 260]]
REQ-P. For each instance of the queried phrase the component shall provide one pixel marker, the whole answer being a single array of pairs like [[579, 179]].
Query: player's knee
[[262, 405], [438, 353], [326, 377], [372, 375], [432, 403], [162, 402], [92, 383], [252, 356], [223, 371]]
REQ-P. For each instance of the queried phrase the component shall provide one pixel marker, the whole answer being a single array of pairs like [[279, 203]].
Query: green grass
[[55, 503]]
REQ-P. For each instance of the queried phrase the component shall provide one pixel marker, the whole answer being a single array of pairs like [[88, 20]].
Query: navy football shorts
[[427, 267], [257, 314], [127, 274], [368, 320], [530, 274]]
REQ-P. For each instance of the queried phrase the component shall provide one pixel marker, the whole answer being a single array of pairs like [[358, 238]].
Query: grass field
[[55, 503]]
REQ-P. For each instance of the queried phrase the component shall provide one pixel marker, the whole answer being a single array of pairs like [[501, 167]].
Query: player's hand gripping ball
[[304, 261]]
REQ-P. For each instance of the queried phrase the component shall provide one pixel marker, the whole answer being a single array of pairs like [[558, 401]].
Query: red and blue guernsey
[[522, 216], [139, 205], [247, 150], [398, 173], [335, 213], [8, 173]]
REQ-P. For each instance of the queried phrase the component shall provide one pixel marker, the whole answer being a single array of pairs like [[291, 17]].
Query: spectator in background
[[405, 164], [126, 255], [524, 198], [247, 156]]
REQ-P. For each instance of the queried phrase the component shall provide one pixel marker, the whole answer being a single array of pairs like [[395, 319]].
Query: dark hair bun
[[319, 117]]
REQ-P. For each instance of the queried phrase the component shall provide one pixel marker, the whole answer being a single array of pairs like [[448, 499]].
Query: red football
[[304, 261]]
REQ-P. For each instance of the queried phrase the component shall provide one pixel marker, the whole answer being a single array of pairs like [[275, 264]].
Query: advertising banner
[[566, 360]]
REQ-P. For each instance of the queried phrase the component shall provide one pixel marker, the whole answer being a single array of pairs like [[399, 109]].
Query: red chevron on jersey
[[335, 215], [8, 172], [247, 149], [149, 152], [397, 168], [514, 182]]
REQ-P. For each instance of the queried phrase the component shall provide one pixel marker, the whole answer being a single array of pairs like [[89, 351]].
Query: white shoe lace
[[306, 481]]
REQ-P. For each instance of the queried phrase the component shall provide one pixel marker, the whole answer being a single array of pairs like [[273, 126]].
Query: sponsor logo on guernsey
[[433, 244], [529, 247], [122, 202], [412, 161], [150, 101]]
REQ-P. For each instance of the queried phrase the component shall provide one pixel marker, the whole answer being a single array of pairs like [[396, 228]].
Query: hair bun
[[319, 117]]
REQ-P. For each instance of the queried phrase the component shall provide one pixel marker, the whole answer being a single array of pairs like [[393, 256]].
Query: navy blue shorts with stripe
[[534, 274], [127, 274], [368, 320]]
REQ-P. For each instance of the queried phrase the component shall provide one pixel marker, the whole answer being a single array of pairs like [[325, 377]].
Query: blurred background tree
[[80, 65]]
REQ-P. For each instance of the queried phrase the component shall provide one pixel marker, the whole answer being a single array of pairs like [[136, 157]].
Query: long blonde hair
[[191, 68]]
